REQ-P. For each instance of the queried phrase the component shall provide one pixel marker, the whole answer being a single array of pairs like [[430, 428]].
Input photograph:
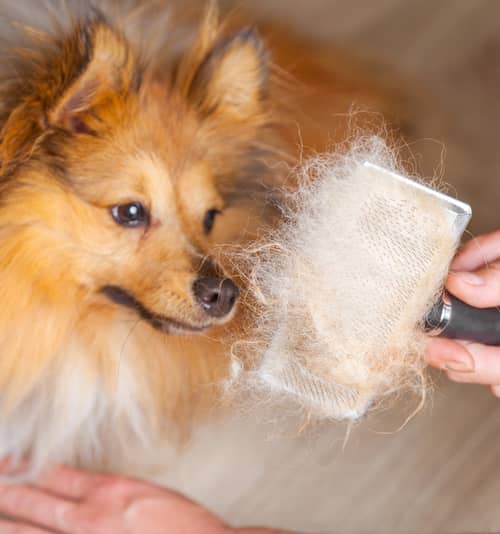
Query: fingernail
[[462, 364], [472, 279], [495, 390]]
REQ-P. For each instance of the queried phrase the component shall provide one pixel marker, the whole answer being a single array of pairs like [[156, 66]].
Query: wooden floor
[[441, 473]]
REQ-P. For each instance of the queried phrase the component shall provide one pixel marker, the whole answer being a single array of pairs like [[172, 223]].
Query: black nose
[[217, 297]]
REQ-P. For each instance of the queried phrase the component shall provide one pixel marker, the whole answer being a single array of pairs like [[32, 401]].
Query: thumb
[[480, 288], [478, 252]]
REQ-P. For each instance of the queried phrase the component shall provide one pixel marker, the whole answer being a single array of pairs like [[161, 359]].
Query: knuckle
[[115, 487], [118, 485]]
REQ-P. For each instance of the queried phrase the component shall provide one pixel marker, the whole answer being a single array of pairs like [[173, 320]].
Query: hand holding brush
[[475, 280]]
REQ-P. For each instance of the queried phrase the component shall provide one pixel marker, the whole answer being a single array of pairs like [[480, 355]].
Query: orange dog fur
[[89, 123]]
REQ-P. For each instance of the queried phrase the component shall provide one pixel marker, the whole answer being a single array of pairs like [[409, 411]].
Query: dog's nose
[[217, 297]]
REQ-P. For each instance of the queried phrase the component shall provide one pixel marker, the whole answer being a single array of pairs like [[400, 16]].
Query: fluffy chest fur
[[116, 398]]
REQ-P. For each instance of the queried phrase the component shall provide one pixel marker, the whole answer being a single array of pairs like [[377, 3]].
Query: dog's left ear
[[231, 81]]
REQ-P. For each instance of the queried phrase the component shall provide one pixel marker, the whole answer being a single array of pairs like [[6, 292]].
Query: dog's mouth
[[165, 324]]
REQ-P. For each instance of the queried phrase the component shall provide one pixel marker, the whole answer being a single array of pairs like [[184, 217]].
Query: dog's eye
[[209, 220], [132, 214]]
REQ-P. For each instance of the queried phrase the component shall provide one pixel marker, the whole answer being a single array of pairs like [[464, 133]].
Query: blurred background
[[441, 472], [447, 51]]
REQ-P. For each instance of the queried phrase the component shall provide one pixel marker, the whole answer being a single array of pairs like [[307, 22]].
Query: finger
[[29, 504], [68, 482], [449, 355], [6, 527], [478, 252], [486, 365], [480, 288], [495, 389], [13, 467]]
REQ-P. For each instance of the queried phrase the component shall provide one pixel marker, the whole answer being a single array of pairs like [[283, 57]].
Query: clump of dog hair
[[341, 289]]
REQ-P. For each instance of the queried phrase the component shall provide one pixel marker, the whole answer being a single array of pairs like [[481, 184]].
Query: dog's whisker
[[122, 349]]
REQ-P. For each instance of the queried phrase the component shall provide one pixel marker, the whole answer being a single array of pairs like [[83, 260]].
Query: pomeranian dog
[[124, 166]]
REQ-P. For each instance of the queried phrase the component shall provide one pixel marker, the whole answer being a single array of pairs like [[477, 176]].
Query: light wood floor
[[441, 473]]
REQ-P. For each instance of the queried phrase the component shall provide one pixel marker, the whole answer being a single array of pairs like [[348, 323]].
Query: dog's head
[[119, 179]]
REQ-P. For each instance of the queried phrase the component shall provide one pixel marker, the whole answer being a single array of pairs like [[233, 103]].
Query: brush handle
[[453, 319]]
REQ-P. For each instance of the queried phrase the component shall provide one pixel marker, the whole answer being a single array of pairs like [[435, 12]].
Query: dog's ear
[[100, 83], [76, 84], [231, 80]]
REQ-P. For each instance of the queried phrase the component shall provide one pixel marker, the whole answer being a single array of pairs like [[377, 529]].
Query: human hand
[[69, 501], [474, 279]]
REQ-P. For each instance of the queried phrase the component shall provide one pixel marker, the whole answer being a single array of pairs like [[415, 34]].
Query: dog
[[125, 168]]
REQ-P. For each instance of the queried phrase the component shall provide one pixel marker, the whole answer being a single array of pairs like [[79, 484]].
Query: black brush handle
[[453, 319]]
